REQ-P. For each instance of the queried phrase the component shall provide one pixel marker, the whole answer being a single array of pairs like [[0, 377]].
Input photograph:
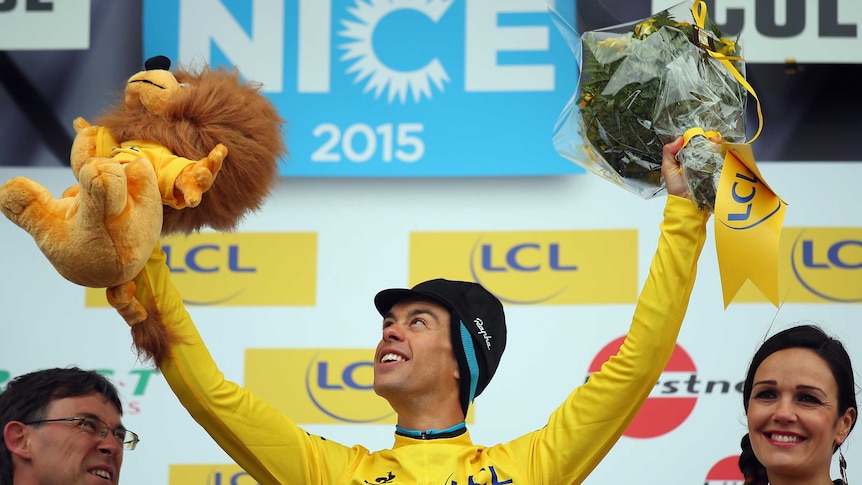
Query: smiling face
[[62, 453], [793, 418], [414, 360]]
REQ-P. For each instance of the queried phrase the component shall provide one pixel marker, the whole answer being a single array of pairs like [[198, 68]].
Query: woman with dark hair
[[800, 399]]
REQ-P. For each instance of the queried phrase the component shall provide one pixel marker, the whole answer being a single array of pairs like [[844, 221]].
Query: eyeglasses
[[98, 428]]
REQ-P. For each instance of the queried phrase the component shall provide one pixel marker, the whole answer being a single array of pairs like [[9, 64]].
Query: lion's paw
[[16, 196], [197, 178], [105, 180], [83, 148], [122, 298], [80, 124]]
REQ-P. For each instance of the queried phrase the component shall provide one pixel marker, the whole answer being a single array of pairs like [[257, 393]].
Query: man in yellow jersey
[[442, 341]]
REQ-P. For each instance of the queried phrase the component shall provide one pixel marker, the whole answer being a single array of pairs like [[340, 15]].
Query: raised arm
[[265, 443], [585, 427]]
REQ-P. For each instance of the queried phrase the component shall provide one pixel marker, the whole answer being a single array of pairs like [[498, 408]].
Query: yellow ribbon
[[748, 220], [748, 213], [698, 10], [690, 133]]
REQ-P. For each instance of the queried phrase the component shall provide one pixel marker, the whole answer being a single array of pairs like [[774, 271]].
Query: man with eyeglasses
[[62, 426]]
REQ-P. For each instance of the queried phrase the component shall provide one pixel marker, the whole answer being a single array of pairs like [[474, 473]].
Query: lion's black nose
[[157, 62]]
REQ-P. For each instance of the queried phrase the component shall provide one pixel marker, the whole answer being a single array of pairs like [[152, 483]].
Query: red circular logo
[[663, 413], [725, 472]]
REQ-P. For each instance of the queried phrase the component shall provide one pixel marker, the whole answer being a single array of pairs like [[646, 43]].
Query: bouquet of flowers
[[643, 84]]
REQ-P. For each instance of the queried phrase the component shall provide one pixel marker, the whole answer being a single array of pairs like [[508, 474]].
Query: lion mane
[[214, 107]]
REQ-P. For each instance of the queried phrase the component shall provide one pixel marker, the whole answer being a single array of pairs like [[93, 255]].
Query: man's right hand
[[671, 170]]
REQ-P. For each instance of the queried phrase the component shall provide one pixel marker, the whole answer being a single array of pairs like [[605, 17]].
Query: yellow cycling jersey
[[275, 450], [167, 165]]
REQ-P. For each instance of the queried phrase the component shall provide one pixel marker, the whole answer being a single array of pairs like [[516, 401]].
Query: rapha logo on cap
[[481, 326]]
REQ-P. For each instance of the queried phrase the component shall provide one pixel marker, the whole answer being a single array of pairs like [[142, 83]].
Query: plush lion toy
[[183, 151]]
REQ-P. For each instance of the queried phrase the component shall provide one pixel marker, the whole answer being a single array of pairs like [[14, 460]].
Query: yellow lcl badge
[[748, 220]]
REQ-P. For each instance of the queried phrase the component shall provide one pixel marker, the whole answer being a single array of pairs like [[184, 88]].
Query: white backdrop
[[363, 229]]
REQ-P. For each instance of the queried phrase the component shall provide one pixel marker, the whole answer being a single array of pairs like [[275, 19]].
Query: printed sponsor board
[[389, 88], [208, 475], [816, 265], [535, 267], [810, 31], [674, 395], [822, 31], [132, 385], [239, 269], [318, 386], [44, 24], [725, 472]]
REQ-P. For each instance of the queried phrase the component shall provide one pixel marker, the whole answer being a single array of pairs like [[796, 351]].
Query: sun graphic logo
[[673, 399], [367, 65], [725, 472]]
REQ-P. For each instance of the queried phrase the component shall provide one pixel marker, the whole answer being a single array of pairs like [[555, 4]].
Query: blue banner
[[389, 88]]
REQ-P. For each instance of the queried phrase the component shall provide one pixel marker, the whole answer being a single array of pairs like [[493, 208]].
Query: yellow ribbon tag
[[711, 135], [748, 220], [698, 10]]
